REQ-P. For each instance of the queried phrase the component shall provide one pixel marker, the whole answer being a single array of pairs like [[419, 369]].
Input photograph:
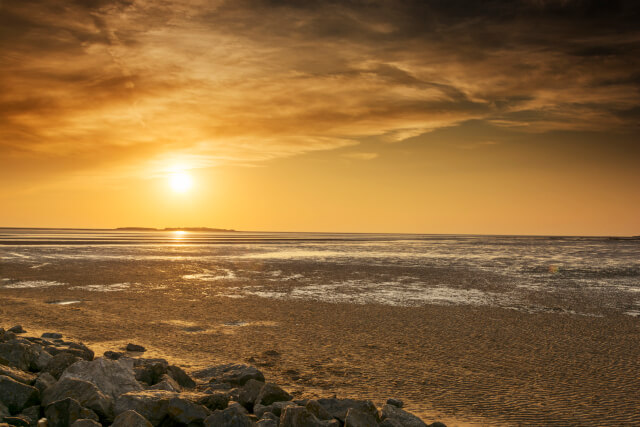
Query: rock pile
[[51, 382]]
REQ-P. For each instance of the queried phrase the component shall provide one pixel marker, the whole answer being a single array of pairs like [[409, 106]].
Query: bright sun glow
[[180, 181]]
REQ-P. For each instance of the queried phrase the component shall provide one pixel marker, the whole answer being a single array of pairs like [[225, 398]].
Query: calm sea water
[[592, 276]]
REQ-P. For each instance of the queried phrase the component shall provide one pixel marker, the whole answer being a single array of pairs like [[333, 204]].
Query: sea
[[569, 275]]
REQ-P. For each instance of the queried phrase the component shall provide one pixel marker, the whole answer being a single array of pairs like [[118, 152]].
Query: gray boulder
[[110, 376], [51, 335], [395, 402], [130, 419], [113, 355], [135, 348], [18, 329], [298, 416], [58, 363], [19, 355], [234, 374], [44, 381], [268, 420], [404, 418], [318, 410], [230, 417], [15, 395], [18, 375], [151, 404], [86, 423], [86, 393], [32, 414], [149, 371], [357, 418], [4, 411], [63, 413], [270, 393], [215, 400], [17, 421], [166, 383], [276, 408], [186, 412], [338, 407], [249, 393], [180, 376]]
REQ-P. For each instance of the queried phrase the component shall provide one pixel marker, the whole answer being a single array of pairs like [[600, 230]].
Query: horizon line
[[215, 229]]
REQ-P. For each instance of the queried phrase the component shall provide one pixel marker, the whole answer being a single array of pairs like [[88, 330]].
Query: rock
[[19, 355], [110, 376], [216, 400], [298, 416], [166, 383], [395, 402], [32, 413], [249, 393], [59, 363], [149, 371], [271, 393], [86, 393], [151, 404], [267, 423], [230, 373], [86, 423], [113, 355], [316, 409], [180, 376], [44, 381], [15, 395], [17, 420], [230, 417], [403, 417], [18, 329], [390, 423], [135, 348], [130, 419], [18, 375], [52, 335], [63, 413], [357, 418], [268, 420], [42, 360], [437, 424], [4, 411], [81, 350], [186, 412], [338, 407], [276, 408], [42, 422]]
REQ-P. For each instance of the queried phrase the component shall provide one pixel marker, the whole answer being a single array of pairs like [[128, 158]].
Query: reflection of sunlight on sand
[[228, 327], [388, 293], [209, 276], [104, 288], [32, 284]]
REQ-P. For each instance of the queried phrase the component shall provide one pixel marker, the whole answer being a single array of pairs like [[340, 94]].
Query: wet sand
[[465, 365]]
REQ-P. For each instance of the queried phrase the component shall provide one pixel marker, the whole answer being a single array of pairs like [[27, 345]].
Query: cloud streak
[[242, 82]]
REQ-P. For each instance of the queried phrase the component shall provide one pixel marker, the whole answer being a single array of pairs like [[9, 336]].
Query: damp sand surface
[[464, 344]]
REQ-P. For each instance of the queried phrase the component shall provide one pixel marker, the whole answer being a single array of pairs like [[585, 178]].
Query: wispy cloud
[[248, 81]]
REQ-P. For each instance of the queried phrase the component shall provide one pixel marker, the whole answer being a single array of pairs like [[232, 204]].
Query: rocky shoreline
[[51, 382]]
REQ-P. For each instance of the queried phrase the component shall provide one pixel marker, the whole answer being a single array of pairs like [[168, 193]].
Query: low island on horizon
[[175, 229]]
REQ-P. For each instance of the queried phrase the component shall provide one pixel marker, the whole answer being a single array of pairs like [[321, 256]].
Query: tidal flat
[[469, 331]]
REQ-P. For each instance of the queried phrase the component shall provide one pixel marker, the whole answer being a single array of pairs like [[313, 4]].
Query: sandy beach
[[461, 364]]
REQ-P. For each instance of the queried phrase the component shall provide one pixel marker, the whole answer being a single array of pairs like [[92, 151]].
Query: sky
[[418, 116]]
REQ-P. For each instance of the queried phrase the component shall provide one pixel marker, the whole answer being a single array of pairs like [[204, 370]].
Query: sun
[[180, 182]]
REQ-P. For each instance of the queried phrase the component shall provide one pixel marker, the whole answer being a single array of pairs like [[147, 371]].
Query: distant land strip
[[174, 229]]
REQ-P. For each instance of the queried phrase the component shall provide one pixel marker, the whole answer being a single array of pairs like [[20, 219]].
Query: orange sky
[[417, 116]]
